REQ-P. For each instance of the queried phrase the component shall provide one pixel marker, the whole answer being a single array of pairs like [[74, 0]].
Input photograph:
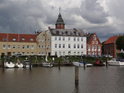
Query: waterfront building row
[[56, 41]]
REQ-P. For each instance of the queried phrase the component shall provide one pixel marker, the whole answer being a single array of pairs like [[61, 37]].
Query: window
[[32, 47], [94, 37], [81, 45], [69, 52], [18, 46], [14, 39], [63, 45], [68, 38], [23, 46], [74, 45], [78, 39], [55, 45], [9, 46], [78, 46], [31, 39], [4, 46], [55, 38], [27, 46], [39, 46], [63, 38], [48, 46], [59, 45], [81, 38], [14, 46], [59, 38], [23, 39], [69, 46], [81, 53], [74, 39], [13, 53]]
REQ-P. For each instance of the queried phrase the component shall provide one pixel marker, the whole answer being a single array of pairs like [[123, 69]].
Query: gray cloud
[[25, 16], [93, 12], [103, 32]]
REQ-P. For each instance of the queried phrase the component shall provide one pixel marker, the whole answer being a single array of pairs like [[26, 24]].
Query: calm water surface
[[53, 80]]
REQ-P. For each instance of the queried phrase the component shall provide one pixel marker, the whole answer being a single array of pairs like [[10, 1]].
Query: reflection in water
[[53, 80], [76, 90]]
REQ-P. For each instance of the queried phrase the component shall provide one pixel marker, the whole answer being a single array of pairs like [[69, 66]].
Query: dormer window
[[4, 39], [69, 33], [57, 32], [23, 39], [14, 39], [60, 33], [31, 39], [77, 33]]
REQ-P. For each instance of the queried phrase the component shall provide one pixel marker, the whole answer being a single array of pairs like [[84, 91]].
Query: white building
[[67, 42], [61, 41]]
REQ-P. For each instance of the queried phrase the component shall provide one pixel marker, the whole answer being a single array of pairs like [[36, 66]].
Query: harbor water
[[53, 80]]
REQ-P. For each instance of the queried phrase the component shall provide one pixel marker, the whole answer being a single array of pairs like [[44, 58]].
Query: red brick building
[[94, 46], [109, 46]]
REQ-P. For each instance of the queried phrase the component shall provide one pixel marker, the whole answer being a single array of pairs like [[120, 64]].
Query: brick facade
[[94, 46]]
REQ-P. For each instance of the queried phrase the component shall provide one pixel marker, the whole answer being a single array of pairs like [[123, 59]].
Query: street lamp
[[58, 55], [69, 53], [64, 56], [53, 59], [81, 57]]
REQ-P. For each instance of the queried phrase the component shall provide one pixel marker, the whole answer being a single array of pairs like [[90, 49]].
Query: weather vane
[[59, 10]]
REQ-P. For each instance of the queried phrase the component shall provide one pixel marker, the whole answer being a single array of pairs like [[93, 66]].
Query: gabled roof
[[9, 37], [90, 38], [66, 32], [111, 40]]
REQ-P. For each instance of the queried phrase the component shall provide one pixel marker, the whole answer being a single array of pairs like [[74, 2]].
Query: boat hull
[[81, 64], [116, 63], [47, 64], [9, 65]]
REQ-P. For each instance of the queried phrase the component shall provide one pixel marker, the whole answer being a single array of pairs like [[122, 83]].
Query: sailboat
[[9, 65], [18, 64], [47, 64]]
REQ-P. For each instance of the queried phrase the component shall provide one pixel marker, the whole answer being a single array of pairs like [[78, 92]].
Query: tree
[[120, 43]]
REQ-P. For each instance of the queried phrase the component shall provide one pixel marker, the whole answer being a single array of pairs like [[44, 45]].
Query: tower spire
[[60, 22]]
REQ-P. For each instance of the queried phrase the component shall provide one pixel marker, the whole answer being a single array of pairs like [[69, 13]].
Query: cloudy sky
[[105, 17]]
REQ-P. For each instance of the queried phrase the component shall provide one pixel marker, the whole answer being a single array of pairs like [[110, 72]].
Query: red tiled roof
[[8, 37], [111, 40]]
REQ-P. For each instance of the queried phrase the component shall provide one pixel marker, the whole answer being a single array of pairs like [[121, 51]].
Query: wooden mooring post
[[106, 63], [3, 59], [59, 65], [3, 64], [76, 76], [30, 66], [84, 65]]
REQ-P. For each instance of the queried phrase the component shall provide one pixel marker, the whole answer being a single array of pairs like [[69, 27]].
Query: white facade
[[68, 45]]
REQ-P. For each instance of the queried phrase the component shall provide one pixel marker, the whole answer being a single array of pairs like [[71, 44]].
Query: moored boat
[[115, 62], [19, 65], [9, 65], [99, 63], [78, 64], [26, 64], [81, 64], [46, 64]]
